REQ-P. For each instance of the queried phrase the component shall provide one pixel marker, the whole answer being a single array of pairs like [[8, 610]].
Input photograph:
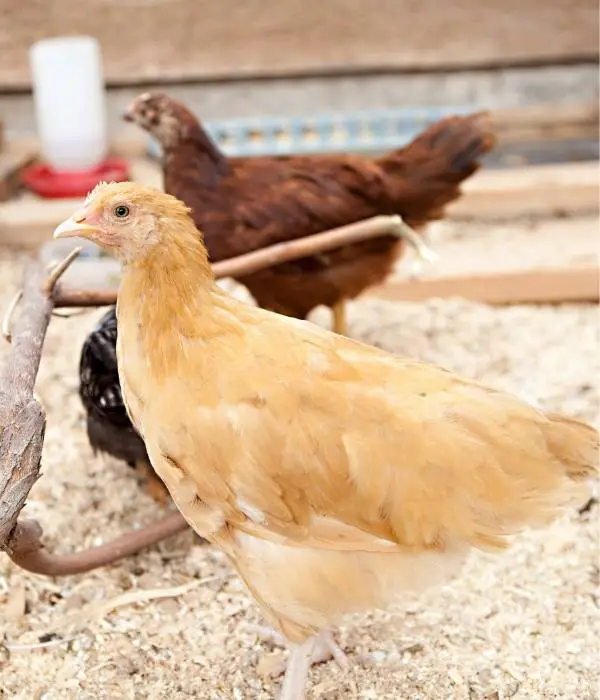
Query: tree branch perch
[[27, 550], [22, 419]]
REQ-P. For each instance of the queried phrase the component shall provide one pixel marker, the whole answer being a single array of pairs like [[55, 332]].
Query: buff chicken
[[333, 475]]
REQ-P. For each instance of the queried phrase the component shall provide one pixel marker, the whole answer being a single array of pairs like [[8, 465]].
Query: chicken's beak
[[75, 226]]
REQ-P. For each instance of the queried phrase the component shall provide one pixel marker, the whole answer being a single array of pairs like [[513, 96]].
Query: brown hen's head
[[166, 119], [132, 222]]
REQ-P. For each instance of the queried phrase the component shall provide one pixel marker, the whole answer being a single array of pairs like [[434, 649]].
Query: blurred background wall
[[244, 57], [149, 40]]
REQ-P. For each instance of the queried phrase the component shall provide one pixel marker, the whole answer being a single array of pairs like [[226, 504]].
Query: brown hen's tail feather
[[426, 174]]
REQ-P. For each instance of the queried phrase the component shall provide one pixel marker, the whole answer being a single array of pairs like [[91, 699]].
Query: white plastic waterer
[[69, 98]]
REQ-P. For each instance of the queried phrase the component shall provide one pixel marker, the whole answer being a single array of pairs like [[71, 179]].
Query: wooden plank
[[204, 39], [529, 153], [552, 132], [13, 158], [541, 118], [548, 286], [541, 125], [488, 248], [537, 190], [28, 222], [534, 176]]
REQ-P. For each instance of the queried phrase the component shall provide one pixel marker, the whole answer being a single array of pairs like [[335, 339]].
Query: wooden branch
[[267, 257], [22, 419], [71, 298], [547, 286], [27, 551], [329, 240], [23, 423]]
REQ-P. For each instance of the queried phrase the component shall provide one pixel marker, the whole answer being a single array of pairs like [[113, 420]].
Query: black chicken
[[108, 426]]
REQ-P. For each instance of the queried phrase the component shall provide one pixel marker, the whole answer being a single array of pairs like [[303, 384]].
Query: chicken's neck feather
[[171, 297], [194, 145]]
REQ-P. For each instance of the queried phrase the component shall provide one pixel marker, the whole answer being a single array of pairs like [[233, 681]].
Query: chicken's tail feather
[[574, 444], [426, 174]]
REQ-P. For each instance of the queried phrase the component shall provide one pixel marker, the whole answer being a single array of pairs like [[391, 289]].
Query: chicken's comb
[[92, 193]]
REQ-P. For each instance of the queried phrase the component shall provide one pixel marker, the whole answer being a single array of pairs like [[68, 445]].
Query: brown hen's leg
[[339, 318], [153, 486]]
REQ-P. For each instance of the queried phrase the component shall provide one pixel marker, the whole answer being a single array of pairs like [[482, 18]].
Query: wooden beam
[[28, 222], [547, 286], [536, 190], [539, 123]]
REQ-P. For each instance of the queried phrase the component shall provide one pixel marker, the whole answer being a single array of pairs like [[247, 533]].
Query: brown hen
[[243, 204]]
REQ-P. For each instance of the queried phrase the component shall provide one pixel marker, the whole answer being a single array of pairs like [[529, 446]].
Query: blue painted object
[[364, 131]]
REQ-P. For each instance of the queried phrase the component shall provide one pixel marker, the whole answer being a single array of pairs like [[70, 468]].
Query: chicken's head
[[166, 119], [129, 220]]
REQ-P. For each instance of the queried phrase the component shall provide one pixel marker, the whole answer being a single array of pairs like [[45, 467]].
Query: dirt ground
[[173, 622]]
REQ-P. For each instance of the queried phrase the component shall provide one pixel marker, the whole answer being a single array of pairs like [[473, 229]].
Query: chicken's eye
[[121, 211]]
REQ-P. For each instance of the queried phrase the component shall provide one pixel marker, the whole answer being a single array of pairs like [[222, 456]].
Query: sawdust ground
[[521, 625]]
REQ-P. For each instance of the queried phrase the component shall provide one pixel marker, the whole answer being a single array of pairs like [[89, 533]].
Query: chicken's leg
[[339, 318], [321, 647], [296, 673], [152, 484]]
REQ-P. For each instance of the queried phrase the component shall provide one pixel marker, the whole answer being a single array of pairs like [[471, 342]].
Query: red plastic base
[[57, 184]]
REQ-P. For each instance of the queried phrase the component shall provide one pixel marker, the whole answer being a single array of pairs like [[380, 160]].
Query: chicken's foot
[[152, 483], [339, 318], [325, 649], [316, 649], [296, 674], [424, 254]]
